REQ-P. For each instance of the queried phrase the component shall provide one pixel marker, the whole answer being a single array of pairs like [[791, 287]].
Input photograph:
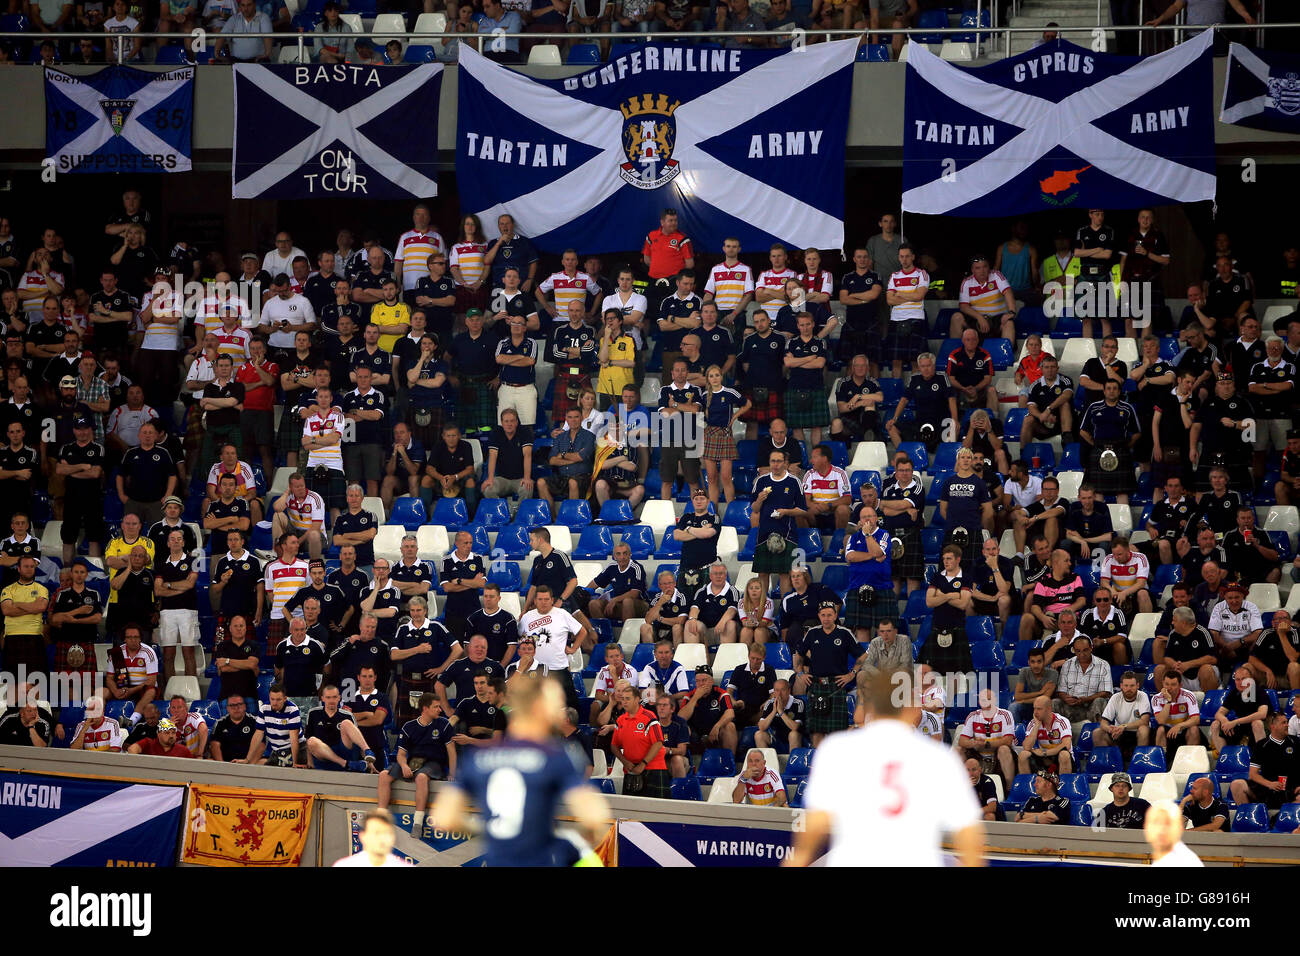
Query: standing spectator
[[424, 752], [23, 604], [237, 581], [638, 743], [237, 659], [824, 665], [871, 598], [322, 437], [905, 293], [146, 476], [175, 580]]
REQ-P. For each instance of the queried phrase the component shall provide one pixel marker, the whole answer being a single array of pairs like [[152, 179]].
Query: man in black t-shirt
[[1242, 718], [1274, 771], [1202, 806], [1097, 247], [1125, 811], [1046, 806], [236, 737], [1275, 658], [697, 531], [986, 792]]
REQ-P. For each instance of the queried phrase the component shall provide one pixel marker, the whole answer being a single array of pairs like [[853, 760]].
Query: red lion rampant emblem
[[250, 828]]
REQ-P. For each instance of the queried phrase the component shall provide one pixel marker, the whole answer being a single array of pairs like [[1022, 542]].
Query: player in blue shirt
[[520, 785]]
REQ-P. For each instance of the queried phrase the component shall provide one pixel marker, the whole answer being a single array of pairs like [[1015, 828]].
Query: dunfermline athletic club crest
[[649, 134], [118, 112]]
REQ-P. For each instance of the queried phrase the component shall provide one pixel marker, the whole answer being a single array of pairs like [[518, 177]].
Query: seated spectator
[[165, 744], [970, 372], [1126, 572], [1177, 714], [1275, 659], [614, 670], [28, 724], [1029, 368], [1036, 680], [1049, 409], [714, 614], [1088, 527], [1273, 770], [709, 713], [331, 47], [758, 784], [1251, 552], [97, 732], [664, 676], [237, 737], [750, 686], [1235, 625], [460, 673], [1046, 805], [281, 722], [1085, 684], [1126, 720], [1048, 741], [989, 736], [623, 587], [132, 669], [248, 19], [1108, 628], [1188, 652], [986, 792], [1243, 716], [1202, 807], [1059, 590], [479, 719], [499, 23], [424, 752], [986, 304], [334, 741], [1124, 812], [677, 737]]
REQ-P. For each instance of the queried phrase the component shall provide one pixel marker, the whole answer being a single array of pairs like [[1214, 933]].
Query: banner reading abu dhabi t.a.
[[119, 120], [742, 143], [338, 130], [1262, 90], [1058, 125], [63, 821]]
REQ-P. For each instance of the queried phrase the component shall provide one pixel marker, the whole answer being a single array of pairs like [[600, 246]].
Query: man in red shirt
[[165, 744], [666, 253], [638, 743], [259, 376]]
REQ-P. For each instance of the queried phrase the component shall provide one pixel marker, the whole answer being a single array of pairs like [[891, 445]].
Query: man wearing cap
[[1125, 811], [165, 744], [169, 522], [1046, 805], [64, 413]]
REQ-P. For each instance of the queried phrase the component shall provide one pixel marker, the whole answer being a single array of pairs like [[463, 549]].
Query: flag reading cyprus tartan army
[[226, 826]]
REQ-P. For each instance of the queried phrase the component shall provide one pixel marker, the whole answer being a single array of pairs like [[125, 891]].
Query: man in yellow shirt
[[119, 549], [617, 360], [391, 316], [23, 604]]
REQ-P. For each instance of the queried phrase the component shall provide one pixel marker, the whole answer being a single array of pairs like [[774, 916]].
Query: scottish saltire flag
[[747, 144], [63, 821], [119, 120], [1058, 125], [340, 130], [1262, 90]]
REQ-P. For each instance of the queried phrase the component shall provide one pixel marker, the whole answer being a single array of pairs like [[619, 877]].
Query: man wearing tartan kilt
[[762, 357], [871, 598], [825, 668], [574, 351], [902, 505], [1111, 425], [966, 507], [472, 357], [806, 408]]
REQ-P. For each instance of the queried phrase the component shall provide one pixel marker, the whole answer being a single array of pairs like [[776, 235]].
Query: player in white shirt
[[1047, 736], [1163, 828], [555, 630], [882, 796], [769, 290], [377, 836]]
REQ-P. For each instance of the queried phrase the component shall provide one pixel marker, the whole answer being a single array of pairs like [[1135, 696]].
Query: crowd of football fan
[[436, 383]]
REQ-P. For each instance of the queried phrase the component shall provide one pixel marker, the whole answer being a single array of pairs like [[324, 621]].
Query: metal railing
[[982, 35]]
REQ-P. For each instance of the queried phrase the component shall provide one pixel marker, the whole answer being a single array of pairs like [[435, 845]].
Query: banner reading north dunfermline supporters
[[119, 120], [237, 827], [1262, 90], [336, 130], [1058, 125], [688, 844], [64, 821], [742, 143]]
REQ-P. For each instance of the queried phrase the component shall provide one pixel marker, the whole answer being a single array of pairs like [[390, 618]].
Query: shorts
[[1271, 432], [769, 562], [258, 427], [766, 409], [1038, 430], [559, 485], [1037, 763], [178, 626], [576, 603], [670, 458], [342, 751], [428, 769], [892, 8], [333, 489], [363, 462], [1107, 651], [522, 398]]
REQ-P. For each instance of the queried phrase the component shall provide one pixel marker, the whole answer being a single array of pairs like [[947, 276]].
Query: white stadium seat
[[1273, 313], [1070, 482], [1187, 761], [659, 515], [354, 21], [1159, 786], [728, 543], [280, 484], [561, 538], [431, 23], [1283, 518], [388, 541], [1074, 356], [729, 657], [292, 53], [1120, 516], [1265, 597], [183, 684], [1049, 346], [389, 23], [1128, 351], [691, 656], [957, 51], [433, 541], [544, 54], [512, 603], [722, 789], [376, 507], [869, 456], [586, 570], [630, 635], [1142, 630]]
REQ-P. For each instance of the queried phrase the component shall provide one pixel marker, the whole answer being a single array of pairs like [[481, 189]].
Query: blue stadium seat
[[1075, 787], [799, 762], [481, 544], [1003, 352], [410, 513], [1015, 421], [70, 716], [1032, 319], [1090, 577], [574, 514], [1233, 761], [932, 543], [687, 788], [716, 762], [1192, 778], [1250, 818], [505, 575], [915, 450], [596, 660], [1170, 347], [1288, 818], [737, 515], [583, 53], [1080, 814], [839, 453], [945, 456], [981, 627], [859, 478], [945, 352], [1103, 760], [596, 544], [834, 552], [641, 539], [1165, 575], [604, 785], [171, 56], [512, 540], [210, 710], [916, 611], [810, 542], [616, 511], [1084, 743], [419, 53], [1282, 542], [747, 736], [1067, 328], [452, 513], [1211, 704], [643, 656], [1148, 759], [119, 710], [1043, 450], [533, 513], [1020, 654], [13, 23], [794, 792], [669, 547], [493, 513], [778, 655], [874, 53], [1022, 788], [1071, 457], [836, 577], [751, 543], [987, 656]]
